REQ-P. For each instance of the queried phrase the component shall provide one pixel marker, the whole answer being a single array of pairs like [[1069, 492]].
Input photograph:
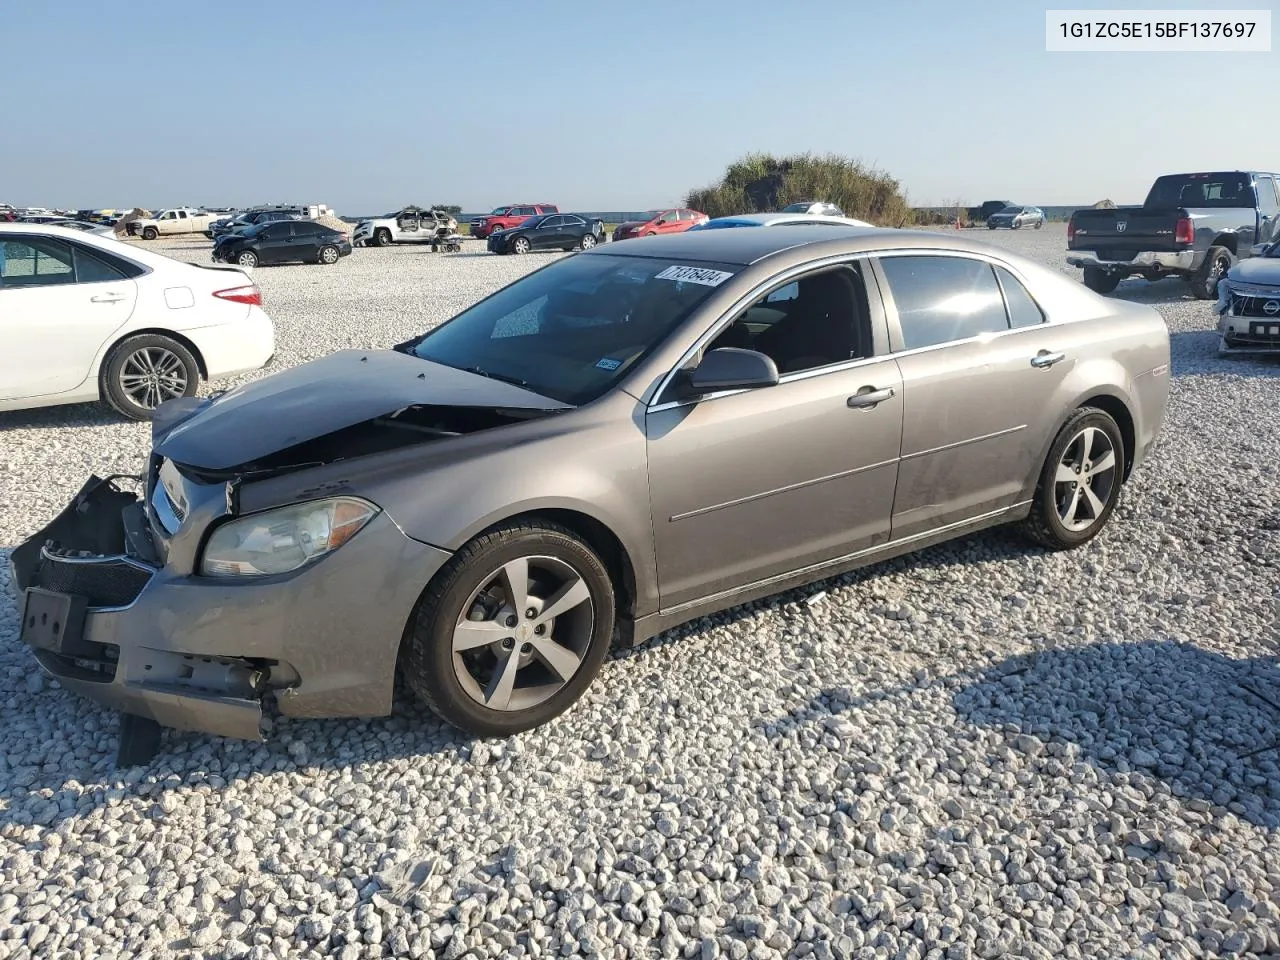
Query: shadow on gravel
[[69, 415], [1171, 290], [1195, 353], [1160, 710]]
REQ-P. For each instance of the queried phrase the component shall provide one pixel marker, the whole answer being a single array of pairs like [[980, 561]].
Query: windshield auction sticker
[[708, 278], [1158, 31]]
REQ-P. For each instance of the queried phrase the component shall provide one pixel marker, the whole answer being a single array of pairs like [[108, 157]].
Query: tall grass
[[760, 182]]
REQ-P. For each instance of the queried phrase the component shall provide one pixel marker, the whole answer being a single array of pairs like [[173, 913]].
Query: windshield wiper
[[514, 381]]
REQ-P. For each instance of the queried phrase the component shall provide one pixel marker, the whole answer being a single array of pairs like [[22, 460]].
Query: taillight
[[1071, 229], [1185, 232], [249, 294]]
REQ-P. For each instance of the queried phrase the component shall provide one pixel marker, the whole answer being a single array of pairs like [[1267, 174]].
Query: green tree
[[761, 182]]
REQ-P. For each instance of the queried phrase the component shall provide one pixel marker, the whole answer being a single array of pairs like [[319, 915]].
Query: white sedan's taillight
[[248, 294]]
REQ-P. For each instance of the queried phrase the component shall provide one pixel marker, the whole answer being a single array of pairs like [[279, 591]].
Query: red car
[[506, 217], [660, 221]]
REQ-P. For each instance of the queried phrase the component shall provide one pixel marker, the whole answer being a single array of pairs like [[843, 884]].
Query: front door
[[980, 367], [548, 234], [1268, 209], [755, 484], [58, 305]]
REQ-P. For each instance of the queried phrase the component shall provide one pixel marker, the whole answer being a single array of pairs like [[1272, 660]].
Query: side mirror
[[732, 368]]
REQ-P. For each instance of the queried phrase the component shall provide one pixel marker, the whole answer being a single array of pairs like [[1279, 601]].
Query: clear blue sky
[[371, 104]]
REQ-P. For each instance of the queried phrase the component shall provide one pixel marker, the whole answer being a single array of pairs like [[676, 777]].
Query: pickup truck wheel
[[150, 233], [1204, 282], [383, 237], [1100, 281]]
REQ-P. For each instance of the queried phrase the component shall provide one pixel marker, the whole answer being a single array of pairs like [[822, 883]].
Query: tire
[[991, 226], [382, 237], [329, 254], [1039, 224], [587, 242], [519, 245], [1100, 281], [1204, 282], [247, 258], [1055, 520], [1015, 225], [150, 233], [125, 382], [460, 683]]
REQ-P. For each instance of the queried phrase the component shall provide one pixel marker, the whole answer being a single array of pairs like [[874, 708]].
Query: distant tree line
[[761, 182]]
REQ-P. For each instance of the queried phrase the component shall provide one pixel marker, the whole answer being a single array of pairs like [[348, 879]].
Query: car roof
[[746, 247], [773, 219]]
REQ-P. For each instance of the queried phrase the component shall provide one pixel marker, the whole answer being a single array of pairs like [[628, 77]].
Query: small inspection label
[[1158, 31]]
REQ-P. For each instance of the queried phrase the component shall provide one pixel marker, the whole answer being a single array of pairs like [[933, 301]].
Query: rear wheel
[[144, 371], [1204, 282], [1080, 481], [512, 630], [329, 254], [1099, 280], [587, 242]]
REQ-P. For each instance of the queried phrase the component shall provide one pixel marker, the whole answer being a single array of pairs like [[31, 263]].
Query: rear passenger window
[[943, 299], [89, 269], [1023, 310]]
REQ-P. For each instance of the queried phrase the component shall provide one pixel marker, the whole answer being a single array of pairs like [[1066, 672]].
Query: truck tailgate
[[1125, 231]]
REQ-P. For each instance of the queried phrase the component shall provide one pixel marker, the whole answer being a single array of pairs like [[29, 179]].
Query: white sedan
[[86, 317]]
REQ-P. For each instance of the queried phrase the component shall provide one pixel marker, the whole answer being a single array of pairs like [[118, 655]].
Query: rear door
[[59, 303], [305, 244], [980, 368], [1268, 208]]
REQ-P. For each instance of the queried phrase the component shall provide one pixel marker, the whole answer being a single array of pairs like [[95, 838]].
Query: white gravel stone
[[981, 751]]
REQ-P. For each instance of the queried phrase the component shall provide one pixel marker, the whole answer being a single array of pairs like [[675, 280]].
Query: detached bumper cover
[[106, 618]]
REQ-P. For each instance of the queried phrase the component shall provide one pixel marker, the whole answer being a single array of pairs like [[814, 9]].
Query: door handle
[[869, 397], [107, 298], [1045, 359]]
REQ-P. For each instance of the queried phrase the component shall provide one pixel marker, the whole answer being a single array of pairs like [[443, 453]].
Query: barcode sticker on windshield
[[708, 278]]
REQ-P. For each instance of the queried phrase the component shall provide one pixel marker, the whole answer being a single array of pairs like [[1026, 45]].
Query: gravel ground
[[979, 751]]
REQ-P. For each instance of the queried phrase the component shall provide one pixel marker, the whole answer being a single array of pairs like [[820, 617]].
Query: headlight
[[281, 540]]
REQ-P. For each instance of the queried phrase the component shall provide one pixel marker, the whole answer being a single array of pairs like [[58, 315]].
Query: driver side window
[[820, 319]]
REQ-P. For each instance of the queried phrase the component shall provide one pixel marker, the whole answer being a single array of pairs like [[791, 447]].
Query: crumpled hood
[[265, 416], [1257, 270]]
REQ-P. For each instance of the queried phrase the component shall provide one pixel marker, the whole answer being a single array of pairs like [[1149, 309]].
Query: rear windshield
[[573, 329], [1202, 190]]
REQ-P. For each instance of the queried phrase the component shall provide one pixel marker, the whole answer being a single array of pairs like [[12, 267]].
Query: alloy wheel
[[588, 241], [521, 245], [523, 633], [152, 375], [329, 255], [1085, 480]]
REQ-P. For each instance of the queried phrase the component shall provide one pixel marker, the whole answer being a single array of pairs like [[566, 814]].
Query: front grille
[[103, 582], [1246, 306]]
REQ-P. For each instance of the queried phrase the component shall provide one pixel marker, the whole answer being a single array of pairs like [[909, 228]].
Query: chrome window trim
[[788, 275]]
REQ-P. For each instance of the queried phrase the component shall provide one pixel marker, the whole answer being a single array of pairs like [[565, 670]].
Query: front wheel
[[247, 258], [383, 237], [520, 245], [1204, 282], [150, 233], [144, 371], [1100, 281], [1080, 482], [512, 630], [1039, 224]]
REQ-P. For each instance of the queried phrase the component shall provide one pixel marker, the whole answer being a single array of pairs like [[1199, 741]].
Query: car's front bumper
[[1181, 260], [201, 653], [1249, 335]]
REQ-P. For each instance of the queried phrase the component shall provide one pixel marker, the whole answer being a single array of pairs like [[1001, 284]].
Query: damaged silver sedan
[[608, 447]]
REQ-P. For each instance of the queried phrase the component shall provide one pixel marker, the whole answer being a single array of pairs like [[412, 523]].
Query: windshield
[[1012, 209], [1202, 190], [724, 222], [498, 211], [571, 330]]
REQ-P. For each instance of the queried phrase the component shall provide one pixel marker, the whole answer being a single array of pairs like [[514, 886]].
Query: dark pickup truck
[[1192, 225]]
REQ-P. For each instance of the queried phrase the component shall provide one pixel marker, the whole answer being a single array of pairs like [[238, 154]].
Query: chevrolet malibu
[[626, 439]]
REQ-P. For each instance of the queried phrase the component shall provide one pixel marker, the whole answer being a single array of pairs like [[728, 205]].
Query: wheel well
[[1228, 240], [1120, 414], [158, 332], [606, 545]]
